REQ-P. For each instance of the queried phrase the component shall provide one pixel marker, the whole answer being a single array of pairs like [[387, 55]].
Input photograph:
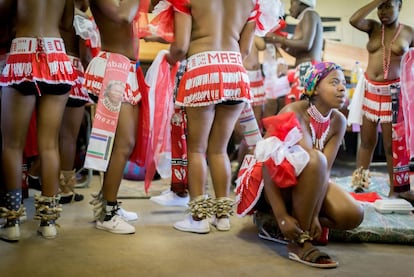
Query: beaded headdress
[[317, 73]]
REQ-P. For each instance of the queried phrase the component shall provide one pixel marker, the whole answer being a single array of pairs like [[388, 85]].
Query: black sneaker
[[74, 197]]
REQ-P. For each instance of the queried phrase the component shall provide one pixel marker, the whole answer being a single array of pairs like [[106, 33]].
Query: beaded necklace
[[319, 126], [386, 55]]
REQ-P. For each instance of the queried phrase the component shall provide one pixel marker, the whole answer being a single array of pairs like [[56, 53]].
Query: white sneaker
[[169, 198], [11, 233], [191, 225], [221, 224], [126, 215], [47, 231], [116, 225]]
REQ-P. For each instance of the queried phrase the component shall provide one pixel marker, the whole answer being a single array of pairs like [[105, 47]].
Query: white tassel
[[53, 67], [21, 69]]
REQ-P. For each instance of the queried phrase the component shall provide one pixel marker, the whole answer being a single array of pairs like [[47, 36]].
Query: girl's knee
[[368, 143], [315, 173], [352, 217], [125, 147]]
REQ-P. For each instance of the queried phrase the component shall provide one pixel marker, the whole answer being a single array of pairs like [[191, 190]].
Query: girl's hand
[[272, 38], [169, 59], [290, 228], [316, 229]]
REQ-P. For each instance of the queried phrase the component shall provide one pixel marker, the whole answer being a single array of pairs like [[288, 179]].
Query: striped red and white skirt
[[213, 77], [78, 91], [95, 73], [377, 104], [37, 59]]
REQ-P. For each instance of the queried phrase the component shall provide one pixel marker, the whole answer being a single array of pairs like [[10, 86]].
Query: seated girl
[[293, 163]]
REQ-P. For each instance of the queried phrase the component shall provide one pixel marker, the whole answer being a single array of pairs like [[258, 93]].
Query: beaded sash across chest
[[319, 126]]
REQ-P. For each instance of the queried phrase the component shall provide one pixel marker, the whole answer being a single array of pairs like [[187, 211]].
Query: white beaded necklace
[[319, 126]]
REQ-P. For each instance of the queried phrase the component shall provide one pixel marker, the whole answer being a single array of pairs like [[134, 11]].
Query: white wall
[[345, 8]]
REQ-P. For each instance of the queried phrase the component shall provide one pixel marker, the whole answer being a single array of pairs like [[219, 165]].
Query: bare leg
[[369, 137], [303, 200], [271, 107], [238, 139], [72, 120], [311, 189], [281, 102], [15, 117], [220, 170], [238, 133], [199, 122], [123, 146], [34, 168], [306, 197], [386, 129], [339, 210], [49, 118]]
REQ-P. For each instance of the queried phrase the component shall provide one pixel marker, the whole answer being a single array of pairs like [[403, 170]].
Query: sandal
[[312, 257]]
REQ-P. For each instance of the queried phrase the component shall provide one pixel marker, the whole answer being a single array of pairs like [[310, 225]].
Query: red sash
[[400, 157]]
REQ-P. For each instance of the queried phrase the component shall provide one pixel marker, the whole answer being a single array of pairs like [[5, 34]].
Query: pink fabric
[[160, 79], [407, 90], [105, 121]]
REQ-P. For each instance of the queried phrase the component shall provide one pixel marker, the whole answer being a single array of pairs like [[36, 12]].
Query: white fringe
[[97, 66], [19, 69]]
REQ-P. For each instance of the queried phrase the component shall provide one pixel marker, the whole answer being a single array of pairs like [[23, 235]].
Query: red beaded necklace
[[319, 126], [386, 55]]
